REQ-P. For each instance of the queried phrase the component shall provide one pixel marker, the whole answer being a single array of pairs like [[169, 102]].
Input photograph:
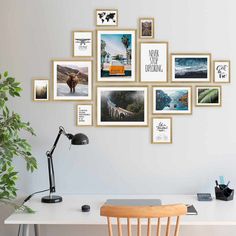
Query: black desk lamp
[[77, 139]]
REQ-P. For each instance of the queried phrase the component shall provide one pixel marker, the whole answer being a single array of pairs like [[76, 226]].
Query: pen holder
[[224, 193]]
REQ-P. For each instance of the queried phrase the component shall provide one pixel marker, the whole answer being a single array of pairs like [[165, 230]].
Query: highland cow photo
[[72, 80], [122, 106], [41, 90]]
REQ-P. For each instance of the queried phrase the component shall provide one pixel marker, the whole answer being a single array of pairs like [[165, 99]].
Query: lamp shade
[[79, 139]]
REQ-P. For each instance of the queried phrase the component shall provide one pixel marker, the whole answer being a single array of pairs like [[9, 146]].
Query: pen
[[217, 183]]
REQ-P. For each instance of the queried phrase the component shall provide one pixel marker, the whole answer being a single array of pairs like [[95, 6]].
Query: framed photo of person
[[84, 115], [122, 106], [106, 17], [116, 55], [83, 43], [72, 80], [193, 68], [208, 96], [221, 71], [153, 61], [146, 28], [162, 130], [41, 90], [172, 100]]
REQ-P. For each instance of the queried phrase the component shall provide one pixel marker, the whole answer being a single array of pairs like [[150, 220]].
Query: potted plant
[[11, 144]]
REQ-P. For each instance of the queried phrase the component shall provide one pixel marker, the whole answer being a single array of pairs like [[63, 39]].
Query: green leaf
[[5, 74]]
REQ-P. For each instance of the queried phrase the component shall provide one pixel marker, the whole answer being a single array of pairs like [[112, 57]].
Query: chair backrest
[[147, 212]]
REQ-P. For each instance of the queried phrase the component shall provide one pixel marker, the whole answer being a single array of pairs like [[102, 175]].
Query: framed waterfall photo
[[122, 106], [221, 71], [188, 67], [83, 43], [162, 130], [116, 55], [172, 100], [72, 80], [153, 61]]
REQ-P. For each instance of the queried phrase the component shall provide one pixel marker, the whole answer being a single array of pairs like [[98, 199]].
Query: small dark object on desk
[[191, 210], [85, 208], [204, 197], [223, 192]]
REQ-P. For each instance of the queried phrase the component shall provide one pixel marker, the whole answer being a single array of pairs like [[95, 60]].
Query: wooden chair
[[147, 212]]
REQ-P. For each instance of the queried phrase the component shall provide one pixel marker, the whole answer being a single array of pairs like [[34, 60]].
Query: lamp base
[[51, 199]]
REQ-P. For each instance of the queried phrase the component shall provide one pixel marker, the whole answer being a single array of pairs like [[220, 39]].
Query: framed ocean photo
[[172, 100], [193, 68], [208, 96], [72, 80], [122, 106], [116, 55]]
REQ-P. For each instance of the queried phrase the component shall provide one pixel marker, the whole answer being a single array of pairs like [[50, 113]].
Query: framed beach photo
[[172, 100], [84, 115], [153, 61], [162, 130], [221, 71], [83, 43], [208, 96], [41, 90], [146, 28], [190, 67], [106, 17], [122, 106], [72, 80], [116, 55]]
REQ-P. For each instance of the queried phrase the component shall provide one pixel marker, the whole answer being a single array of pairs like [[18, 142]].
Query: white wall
[[121, 160]]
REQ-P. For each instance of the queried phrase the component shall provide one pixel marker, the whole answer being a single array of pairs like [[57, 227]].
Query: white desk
[[68, 212]]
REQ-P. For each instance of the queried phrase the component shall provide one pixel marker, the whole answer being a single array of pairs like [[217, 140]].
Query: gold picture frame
[[82, 42], [174, 109], [170, 140], [90, 80], [166, 61], [144, 123], [42, 96], [210, 93], [141, 35], [190, 76], [229, 71], [124, 77], [104, 17]]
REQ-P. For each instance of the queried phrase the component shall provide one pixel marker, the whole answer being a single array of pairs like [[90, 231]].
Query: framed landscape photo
[[41, 90], [122, 106], [172, 100], [84, 115], [146, 28], [116, 55], [153, 61], [221, 71], [190, 67], [208, 96], [106, 17], [162, 130], [72, 80], [83, 43]]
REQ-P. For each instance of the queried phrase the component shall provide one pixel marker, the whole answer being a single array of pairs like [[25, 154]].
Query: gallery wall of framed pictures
[[127, 78]]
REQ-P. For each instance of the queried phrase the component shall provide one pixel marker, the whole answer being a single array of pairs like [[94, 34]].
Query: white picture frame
[[221, 71], [84, 115], [106, 17]]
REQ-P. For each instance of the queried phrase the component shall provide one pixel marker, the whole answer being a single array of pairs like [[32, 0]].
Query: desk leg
[[25, 230], [36, 230]]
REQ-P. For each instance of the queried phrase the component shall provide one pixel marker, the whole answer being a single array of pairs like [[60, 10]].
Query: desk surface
[[68, 212]]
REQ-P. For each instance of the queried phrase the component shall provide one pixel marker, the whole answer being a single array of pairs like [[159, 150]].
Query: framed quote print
[[72, 80], [122, 106], [190, 67], [172, 100], [84, 115], [116, 55], [208, 96], [153, 61], [41, 90], [106, 17], [221, 71], [83, 43], [162, 130], [146, 28]]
